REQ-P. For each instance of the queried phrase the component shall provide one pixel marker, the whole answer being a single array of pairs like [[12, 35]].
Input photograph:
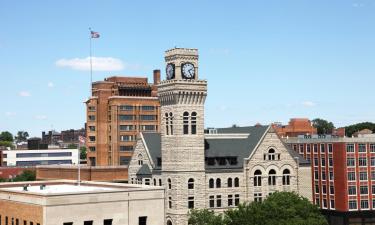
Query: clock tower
[[182, 96]]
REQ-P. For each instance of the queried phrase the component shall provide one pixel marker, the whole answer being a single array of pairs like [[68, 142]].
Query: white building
[[217, 170], [40, 157], [90, 203]]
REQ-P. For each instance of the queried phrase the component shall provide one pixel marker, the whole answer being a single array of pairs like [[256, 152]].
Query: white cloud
[[10, 114], [24, 94], [50, 85], [308, 104], [40, 117], [98, 64]]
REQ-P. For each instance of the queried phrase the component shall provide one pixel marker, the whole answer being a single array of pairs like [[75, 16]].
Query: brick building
[[1, 155], [119, 108], [63, 138], [295, 127], [343, 178]]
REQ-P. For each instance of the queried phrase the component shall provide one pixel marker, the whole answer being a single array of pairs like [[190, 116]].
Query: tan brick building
[[120, 108]]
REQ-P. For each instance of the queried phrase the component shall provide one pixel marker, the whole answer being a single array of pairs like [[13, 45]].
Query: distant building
[[1, 155], [40, 157], [35, 144], [66, 203], [343, 176], [12, 172], [63, 138], [364, 133], [296, 126], [120, 108]]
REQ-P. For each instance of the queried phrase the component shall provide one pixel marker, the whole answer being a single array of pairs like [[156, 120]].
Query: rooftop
[[60, 188]]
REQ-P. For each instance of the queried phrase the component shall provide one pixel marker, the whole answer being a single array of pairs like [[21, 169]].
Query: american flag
[[82, 139], [95, 34]]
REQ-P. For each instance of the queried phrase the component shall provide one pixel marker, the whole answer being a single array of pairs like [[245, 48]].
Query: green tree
[[21, 136], [83, 153], [72, 146], [26, 175], [323, 126], [6, 136], [205, 217], [7, 144], [350, 130]]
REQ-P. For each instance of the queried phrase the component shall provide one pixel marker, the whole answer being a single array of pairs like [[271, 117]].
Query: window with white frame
[[316, 175], [364, 204], [324, 175], [258, 197], [373, 189], [362, 175], [372, 161], [308, 148], [330, 162], [286, 177], [350, 162], [361, 147], [140, 160], [363, 190], [272, 177], [332, 206], [372, 175], [352, 190], [330, 148], [230, 200], [257, 178], [315, 147], [325, 203], [372, 147], [323, 161], [331, 189], [271, 154], [301, 148], [351, 176], [331, 175], [349, 147], [352, 204], [324, 189], [322, 148], [362, 161]]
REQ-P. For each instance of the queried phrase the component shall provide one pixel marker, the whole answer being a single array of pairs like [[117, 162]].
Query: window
[[372, 161], [147, 108], [331, 175], [191, 183], [126, 108], [317, 201], [316, 188], [140, 160], [324, 189], [148, 117], [212, 201], [351, 176], [258, 197], [323, 161], [166, 124], [362, 161], [349, 147], [160, 183], [322, 148], [352, 204], [330, 162], [169, 184], [124, 160], [218, 183], [308, 148], [127, 127], [286, 177], [236, 200], [350, 162], [230, 182], [257, 178], [159, 161], [363, 190], [316, 161], [301, 148], [191, 202], [69, 223], [271, 154], [324, 203], [330, 148], [211, 183], [126, 117], [372, 175], [91, 138], [142, 220], [186, 122], [332, 206], [92, 149], [316, 175], [362, 175], [88, 222], [127, 138], [126, 148], [272, 177], [218, 201], [230, 200], [331, 189], [91, 118], [171, 122], [361, 147], [323, 175], [92, 128], [193, 123], [91, 108], [372, 147], [315, 146], [236, 182], [364, 204]]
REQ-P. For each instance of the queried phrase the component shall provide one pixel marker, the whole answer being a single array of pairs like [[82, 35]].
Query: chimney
[[156, 77]]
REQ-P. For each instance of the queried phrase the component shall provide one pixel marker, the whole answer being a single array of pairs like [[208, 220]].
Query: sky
[[265, 61]]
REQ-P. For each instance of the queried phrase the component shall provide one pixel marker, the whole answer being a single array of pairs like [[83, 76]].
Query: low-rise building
[[88, 203], [295, 127], [40, 157]]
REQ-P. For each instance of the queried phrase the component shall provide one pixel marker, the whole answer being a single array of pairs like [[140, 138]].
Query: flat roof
[[60, 188]]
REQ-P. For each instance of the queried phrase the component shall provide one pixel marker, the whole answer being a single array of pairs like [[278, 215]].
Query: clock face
[[188, 71], [170, 71]]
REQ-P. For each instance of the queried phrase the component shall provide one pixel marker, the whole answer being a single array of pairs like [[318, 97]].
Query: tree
[[6, 136], [72, 146], [7, 144], [21, 136], [205, 217], [83, 153], [323, 126], [26, 175], [350, 130]]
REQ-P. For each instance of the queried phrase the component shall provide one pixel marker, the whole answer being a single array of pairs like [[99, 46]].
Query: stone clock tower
[[182, 98]]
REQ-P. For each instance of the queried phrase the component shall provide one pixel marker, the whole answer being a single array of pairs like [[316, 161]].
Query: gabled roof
[[153, 142], [144, 170]]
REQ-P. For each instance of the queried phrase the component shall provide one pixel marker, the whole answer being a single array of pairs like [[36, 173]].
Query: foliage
[[83, 153], [21, 136], [323, 126], [26, 175], [205, 217], [72, 146], [7, 144], [280, 208], [350, 130], [6, 136]]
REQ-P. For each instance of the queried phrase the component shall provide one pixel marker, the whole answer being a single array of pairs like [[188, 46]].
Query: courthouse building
[[217, 168]]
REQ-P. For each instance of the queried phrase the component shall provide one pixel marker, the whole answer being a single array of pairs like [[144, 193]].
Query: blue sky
[[265, 61]]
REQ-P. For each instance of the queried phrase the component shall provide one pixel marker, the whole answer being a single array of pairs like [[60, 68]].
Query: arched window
[[169, 184], [236, 182], [166, 124], [186, 122], [154, 182], [169, 222], [271, 154], [193, 123], [286, 177], [211, 183], [191, 183], [140, 159], [258, 178], [230, 182], [170, 202], [171, 122], [218, 183], [160, 184], [272, 178]]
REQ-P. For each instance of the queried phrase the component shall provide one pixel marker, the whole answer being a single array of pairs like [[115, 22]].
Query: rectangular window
[[91, 118], [323, 161], [126, 107], [127, 127], [142, 220], [109, 222], [316, 175], [324, 189], [373, 203], [212, 201], [126, 117], [372, 160], [308, 148], [69, 223], [364, 204], [350, 162], [349, 147], [315, 146], [301, 148], [316, 162], [330, 148], [147, 117], [362, 161], [92, 128], [372, 147], [124, 160], [316, 188], [351, 176], [352, 190], [88, 222], [363, 190], [236, 200], [361, 147], [127, 138], [218, 201], [230, 200], [330, 162], [324, 203], [147, 108], [191, 202], [322, 148], [362, 175], [352, 204], [92, 138], [317, 201], [331, 189], [373, 189], [323, 175], [92, 108], [331, 175], [372, 175], [258, 197], [126, 148], [332, 206], [148, 128], [92, 149]]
